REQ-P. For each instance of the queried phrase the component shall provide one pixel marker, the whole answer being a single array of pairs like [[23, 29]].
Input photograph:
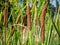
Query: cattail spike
[[5, 16], [42, 22], [28, 17]]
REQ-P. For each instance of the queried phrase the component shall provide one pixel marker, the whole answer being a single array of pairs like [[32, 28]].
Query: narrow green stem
[[59, 40]]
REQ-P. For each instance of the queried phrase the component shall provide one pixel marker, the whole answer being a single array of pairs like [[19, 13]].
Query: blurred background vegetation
[[29, 22]]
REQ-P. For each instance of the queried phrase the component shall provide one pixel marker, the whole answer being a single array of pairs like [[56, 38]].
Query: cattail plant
[[28, 17], [5, 16], [5, 22], [42, 22]]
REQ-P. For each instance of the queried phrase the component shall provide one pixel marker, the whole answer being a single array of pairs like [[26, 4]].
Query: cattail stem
[[17, 20], [37, 21], [59, 40], [37, 24], [28, 17], [42, 22]]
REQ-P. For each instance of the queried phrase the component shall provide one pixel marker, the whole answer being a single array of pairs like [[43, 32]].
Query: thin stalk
[[17, 20], [0, 36], [59, 40], [56, 28], [50, 35], [37, 23]]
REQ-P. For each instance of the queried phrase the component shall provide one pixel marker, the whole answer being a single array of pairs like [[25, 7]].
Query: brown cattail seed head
[[5, 16], [28, 17], [42, 22]]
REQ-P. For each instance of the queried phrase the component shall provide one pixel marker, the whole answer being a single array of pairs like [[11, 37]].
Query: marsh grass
[[40, 22]]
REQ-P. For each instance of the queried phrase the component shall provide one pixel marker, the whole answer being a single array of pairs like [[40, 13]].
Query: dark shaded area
[[9, 13], [25, 20]]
